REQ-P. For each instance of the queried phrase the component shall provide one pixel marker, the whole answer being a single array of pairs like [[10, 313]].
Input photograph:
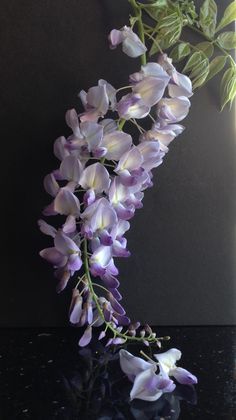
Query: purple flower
[[75, 310], [132, 106], [151, 154], [71, 169], [150, 70], [180, 84], [96, 178], [164, 133], [173, 110], [86, 337], [95, 102], [131, 43], [167, 362], [47, 229], [65, 253], [72, 121], [66, 203], [50, 184], [100, 259], [147, 385], [150, 89], [132, 365], [59, 148], [118, 195], [115, 144], [129, 166], [102, 219]]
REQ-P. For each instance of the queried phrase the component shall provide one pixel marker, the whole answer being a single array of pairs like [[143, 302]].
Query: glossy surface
[[45, 375]]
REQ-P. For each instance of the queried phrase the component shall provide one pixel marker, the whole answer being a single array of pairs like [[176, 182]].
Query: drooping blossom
[[180, 84], [97, 187], [148, 384], [131, 43], [168, 361], [173, 110]]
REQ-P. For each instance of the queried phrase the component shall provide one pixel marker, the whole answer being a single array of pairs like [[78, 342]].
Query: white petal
[[95, 177], [116, 143], [168, 359], [144, 387]]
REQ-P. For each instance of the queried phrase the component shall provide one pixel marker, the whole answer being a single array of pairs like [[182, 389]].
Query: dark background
[[182, 269]]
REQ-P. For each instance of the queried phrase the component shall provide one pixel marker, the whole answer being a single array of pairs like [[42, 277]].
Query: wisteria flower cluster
[[100, 183], [148, 384]]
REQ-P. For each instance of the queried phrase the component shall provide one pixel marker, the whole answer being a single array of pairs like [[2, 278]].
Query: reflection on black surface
[[75, 384], [44, 375]]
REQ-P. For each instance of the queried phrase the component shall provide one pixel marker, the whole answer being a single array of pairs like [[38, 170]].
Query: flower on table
[[149, 385]]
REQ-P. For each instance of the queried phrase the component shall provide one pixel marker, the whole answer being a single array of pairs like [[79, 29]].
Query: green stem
[[121, 124], [155, 42], [138, 14], [95, 299]]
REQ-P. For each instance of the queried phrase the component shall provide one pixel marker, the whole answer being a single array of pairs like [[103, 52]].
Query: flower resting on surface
[[148, 384]]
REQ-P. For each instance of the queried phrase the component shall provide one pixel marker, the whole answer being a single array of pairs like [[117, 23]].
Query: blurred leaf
[[216, 65], [198, 67], [228, 87], [206, 47], [194, 60], [180, 51], [155, 10], [227, 40], [208, 14], [168, 32], [228, 17]]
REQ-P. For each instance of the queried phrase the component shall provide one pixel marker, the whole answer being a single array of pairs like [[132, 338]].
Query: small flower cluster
[[101, 180], [149, 385]]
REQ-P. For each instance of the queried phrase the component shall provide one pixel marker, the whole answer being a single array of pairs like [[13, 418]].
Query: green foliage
[[208, 15], [228, 87], [181, 51], [228, 17], [198, 68], [227, 40], [156, 9], [168, 32], [169, 17], [206, 47], [216, 65]]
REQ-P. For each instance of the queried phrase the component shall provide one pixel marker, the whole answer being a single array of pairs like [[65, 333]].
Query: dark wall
[[182, 269]]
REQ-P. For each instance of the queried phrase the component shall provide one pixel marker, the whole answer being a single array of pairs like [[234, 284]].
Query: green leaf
[[216, 65], [208, 14], [206, 47], [228, 17], [180, 51], [198, 66], [168, 32], [193, 61], [227, 40], [155, 10], [228, 87]]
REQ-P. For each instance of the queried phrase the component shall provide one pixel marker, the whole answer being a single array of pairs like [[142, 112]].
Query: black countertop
[[44, 375]]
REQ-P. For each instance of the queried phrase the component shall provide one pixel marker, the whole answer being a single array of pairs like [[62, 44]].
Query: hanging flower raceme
[[96, 189]]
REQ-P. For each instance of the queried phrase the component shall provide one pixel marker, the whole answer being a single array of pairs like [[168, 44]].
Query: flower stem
[[121, 124], [95, 299], [138, 14]]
